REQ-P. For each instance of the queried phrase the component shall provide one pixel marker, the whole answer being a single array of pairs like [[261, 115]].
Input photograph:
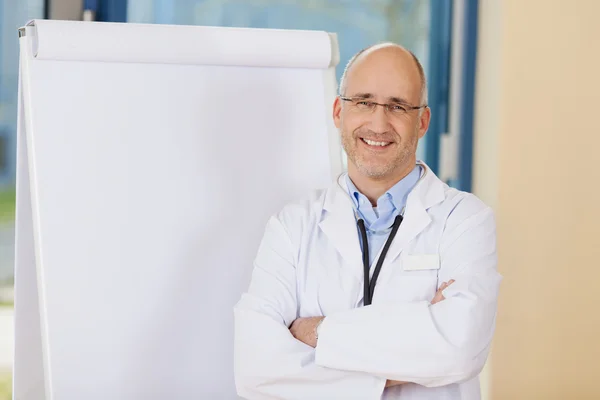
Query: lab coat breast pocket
[[414, 278]]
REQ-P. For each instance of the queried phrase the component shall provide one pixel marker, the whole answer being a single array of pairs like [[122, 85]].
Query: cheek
[[345, 129], [407, 131], [350, 124]]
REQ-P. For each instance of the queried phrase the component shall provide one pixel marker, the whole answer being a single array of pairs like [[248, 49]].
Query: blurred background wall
[[536, 155]]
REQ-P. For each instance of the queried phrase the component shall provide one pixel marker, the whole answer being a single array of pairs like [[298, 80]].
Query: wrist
[[318, 328]]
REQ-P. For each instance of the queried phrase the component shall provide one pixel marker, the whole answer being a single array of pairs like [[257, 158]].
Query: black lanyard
[[369, 286]]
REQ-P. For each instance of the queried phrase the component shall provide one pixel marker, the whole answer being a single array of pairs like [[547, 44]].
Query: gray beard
[[404, 155]]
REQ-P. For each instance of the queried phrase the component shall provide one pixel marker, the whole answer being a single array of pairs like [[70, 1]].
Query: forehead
[[385, 73]]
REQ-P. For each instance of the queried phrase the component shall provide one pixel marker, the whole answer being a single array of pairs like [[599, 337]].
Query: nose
[[379, 120]]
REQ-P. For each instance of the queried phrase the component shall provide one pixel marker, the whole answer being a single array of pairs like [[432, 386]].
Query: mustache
[[388, 136]]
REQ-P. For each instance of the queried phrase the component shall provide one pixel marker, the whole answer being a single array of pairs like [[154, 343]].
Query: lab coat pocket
[[415, 279], [409, 288], [420, 262]]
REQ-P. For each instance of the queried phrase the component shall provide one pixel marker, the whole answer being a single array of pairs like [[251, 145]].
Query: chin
[[375, 171]]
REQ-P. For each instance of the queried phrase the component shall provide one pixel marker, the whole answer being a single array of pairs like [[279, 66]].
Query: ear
[[424, 122], [337, 110]]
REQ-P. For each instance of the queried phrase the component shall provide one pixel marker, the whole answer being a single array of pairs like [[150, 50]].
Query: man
[[419, 326]]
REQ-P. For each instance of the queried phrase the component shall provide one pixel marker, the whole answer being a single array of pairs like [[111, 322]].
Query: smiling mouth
[[374, 143]]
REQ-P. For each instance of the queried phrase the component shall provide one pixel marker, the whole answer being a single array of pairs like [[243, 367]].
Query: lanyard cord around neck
[[369, 286]]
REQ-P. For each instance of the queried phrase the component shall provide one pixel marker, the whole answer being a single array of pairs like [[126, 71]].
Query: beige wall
[[537, 162], [486, 124]]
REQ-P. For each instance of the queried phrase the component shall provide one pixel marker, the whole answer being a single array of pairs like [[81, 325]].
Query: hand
[[390, 383], [304, 329], [438, 295]]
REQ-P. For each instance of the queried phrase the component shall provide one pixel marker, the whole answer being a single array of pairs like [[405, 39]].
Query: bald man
[[384, 285]]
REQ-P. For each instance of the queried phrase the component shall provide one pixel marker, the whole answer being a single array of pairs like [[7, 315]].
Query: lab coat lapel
[[339, 225], [428, 192]]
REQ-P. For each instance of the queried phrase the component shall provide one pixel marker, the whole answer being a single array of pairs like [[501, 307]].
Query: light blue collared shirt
[[379, 220]]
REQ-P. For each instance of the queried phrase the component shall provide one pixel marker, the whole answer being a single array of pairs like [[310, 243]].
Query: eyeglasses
[[363, 105]]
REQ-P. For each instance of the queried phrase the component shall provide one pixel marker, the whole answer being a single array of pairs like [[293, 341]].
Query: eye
[[397, 108], [363, 103]]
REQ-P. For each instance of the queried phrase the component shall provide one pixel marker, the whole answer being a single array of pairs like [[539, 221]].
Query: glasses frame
[[386, 106]]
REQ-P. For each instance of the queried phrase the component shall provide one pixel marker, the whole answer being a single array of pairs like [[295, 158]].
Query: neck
[[374, 188]]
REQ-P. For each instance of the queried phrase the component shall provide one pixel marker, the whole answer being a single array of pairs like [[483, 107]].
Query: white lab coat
[[309, 264]]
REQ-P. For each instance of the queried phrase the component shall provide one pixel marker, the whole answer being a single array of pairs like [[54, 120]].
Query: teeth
[[372, 143]]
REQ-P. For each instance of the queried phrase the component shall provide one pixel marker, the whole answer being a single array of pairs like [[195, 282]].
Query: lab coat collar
[[339, 223]]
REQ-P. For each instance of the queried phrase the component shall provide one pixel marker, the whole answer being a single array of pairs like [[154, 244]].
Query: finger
[[444, 285], [437, 298]]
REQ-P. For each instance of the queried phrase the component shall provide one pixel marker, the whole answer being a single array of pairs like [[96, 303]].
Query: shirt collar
[[396, 195], [399, 192]]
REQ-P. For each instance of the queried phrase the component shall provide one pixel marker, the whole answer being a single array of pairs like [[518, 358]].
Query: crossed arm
[[447, 341], [305, 329]]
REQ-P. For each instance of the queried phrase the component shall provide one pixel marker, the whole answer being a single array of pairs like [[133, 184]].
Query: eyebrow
[[397, 100], [363, 95]]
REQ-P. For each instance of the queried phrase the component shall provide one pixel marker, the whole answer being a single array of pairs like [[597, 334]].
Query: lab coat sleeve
[[431, 345], [269, 363]]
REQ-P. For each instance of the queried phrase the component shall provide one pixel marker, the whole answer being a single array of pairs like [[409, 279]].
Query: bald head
[[396, 57]]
